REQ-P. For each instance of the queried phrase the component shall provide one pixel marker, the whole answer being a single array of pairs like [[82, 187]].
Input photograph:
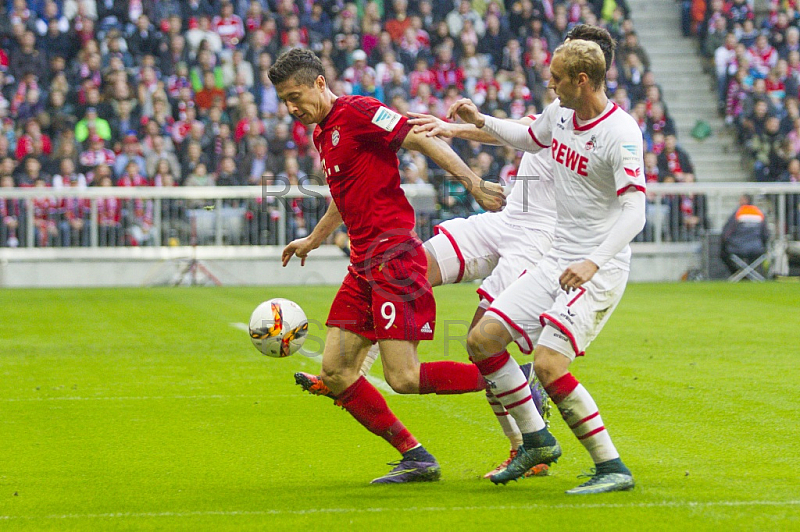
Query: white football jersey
[[532, 201], [592, 163]]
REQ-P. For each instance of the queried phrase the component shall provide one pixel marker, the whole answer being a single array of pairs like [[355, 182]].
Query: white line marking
[[241, 326], [376, 381], [381, 384], [139, 398], [527, 506]]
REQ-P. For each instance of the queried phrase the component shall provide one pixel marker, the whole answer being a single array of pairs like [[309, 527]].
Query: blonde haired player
[[560, 306]]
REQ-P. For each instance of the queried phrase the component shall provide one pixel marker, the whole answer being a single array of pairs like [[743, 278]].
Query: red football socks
[[445, 377], [369, 408]]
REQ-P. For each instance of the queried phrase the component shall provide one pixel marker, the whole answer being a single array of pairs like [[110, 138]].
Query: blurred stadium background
[[141, 139]]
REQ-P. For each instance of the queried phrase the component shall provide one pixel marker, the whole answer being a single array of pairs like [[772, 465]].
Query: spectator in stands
[[745, 234], [160, 151], [45, 215], [462, 13], [200, 178], [92, 125], [11, 214], [95, 154], [227, 175], [27, 60], [210, 95], [631, 46], [399, 22], [194, 156], [31, 172], [200, 32], [256, 163], [229, 26], [144, 40], [771, 151], [67, 176], [675, 161], [74, 225], [33, 141], [109, 215], [658, 121], [763, 56]]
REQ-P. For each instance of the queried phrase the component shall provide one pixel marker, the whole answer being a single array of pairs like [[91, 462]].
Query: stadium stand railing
[[175, 216], [274, 215]]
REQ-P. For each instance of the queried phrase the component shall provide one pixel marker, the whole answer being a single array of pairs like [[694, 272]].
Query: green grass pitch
[[137, 409]]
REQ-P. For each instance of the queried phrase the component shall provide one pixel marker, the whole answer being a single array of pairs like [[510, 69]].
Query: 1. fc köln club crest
[[335, 137]]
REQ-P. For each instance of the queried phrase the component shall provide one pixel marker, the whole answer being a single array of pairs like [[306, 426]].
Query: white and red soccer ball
[[278, 327]]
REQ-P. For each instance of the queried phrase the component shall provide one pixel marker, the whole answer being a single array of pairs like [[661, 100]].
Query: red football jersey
[[358, 143]]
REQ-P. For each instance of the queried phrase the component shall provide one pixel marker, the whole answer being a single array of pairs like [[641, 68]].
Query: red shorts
[[392, 300]]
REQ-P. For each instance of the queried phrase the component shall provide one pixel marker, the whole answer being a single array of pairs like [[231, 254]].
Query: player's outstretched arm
[[508, 132], [436, 127], [303, 246], [488, 195]]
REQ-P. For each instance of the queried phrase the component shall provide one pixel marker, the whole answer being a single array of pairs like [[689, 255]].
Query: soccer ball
[[278, 327]]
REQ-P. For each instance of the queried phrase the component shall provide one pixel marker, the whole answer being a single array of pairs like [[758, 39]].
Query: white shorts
[[535, 309], [485, 246]]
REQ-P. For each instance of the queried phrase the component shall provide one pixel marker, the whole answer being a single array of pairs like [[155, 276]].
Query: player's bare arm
[[508, 132], [303, 246], [436, 127], [488, 195]]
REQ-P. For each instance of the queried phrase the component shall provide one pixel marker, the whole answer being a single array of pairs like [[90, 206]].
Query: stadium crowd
[[164, 93], [755, 57]]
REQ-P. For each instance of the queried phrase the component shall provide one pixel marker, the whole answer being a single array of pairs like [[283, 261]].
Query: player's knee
[[477, 345], [333, 378], [547, 366], [403, 382]]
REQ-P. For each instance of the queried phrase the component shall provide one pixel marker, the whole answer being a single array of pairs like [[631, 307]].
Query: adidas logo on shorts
[[426, 328]]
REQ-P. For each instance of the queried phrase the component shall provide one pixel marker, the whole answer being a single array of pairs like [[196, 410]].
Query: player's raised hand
[[300, 247], [430, 125], [577, 274], [466, 110], [490, 196]]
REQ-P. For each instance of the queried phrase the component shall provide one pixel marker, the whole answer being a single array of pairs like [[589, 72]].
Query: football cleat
[[525, 460], [313, 384], [410, 471], [540, 398], [502, 466], [539, 470], [604, 483]]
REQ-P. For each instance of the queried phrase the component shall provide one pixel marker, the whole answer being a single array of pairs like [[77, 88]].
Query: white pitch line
[[309, 511], [241, 326], [376, 381], [137, 398]]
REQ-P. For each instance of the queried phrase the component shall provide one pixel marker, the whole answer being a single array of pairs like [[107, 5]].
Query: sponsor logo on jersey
[[630, 154], [426, 329], [563, 119], [385, 118], [566, 156], [335, 137], [636, 172]]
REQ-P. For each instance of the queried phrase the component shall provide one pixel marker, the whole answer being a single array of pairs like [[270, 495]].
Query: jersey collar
[[590, 125]]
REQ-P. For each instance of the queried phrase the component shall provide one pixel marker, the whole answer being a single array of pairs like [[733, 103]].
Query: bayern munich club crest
[[335, 137]]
